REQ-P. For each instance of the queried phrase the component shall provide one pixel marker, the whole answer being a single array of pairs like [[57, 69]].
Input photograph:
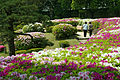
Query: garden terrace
[[96, 59]]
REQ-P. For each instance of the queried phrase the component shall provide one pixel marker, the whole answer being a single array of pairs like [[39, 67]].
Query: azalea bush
[[37, 27], [24, 41], [96, 59], [63, 31], [72, 21]]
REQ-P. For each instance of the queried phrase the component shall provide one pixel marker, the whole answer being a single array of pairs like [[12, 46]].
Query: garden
[[40, 59]]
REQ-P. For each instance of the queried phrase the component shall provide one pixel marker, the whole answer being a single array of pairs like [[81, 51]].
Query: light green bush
[[64, 31], [37, 27]]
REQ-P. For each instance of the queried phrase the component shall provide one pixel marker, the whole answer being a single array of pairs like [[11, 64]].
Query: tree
[[93, 6], [14, 12]]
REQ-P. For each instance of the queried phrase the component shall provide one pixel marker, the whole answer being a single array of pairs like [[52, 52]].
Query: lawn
[[51, 38]]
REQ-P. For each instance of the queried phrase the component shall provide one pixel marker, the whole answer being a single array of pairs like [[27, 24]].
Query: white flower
[[41, 78], [33, 77], [72, 78], [117, 60], [1, 77], [23, 76]]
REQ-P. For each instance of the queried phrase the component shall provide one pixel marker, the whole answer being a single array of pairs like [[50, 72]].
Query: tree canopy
[[14, 12]]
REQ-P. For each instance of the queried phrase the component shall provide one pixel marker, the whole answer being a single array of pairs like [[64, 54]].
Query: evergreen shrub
[[64, 31]]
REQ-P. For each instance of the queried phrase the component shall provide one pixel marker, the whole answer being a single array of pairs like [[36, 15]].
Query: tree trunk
[[11, 46]]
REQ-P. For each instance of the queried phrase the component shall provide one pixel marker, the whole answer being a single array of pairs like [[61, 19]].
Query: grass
[[51, 38]]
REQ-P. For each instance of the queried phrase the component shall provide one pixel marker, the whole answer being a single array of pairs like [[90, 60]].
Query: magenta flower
[[80, 54]]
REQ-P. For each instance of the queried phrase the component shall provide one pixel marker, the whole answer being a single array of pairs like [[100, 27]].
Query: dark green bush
[[64, 31], [64, 44]]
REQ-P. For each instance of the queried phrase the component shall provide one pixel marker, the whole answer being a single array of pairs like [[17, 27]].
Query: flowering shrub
[[96, 59], [63, 31], [73, 22], [37, 27], [24, 41]]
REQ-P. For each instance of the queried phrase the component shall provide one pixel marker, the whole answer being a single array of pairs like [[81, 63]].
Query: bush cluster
[[24, 42], [64, 31], [37, 27]]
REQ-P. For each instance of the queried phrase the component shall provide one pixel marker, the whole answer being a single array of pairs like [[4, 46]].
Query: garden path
[[81, 37]]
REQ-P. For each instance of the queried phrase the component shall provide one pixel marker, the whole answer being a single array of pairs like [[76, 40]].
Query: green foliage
[[95, 24], [49, 29], [63, 31], [64, 44], [20, 52], [19, 31], [20, 26], [15, 12], [28, 51], [37, 27]]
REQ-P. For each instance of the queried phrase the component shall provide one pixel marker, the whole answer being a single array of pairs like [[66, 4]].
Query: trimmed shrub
[[34, 49], [64, 44], [24, 41], [20, 52], [37, 27], [28, 51], [64, 31]]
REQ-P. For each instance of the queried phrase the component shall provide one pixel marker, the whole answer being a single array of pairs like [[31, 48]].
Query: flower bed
[[97, 59]]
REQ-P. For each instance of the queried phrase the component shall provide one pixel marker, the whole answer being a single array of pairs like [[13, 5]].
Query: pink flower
[[81, 66], [80, 54]]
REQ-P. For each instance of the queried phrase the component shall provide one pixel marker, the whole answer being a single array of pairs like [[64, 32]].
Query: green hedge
[[28, 51]]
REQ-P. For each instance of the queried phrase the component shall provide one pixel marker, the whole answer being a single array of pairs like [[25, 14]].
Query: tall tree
[[92, 6], [14, 12]]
